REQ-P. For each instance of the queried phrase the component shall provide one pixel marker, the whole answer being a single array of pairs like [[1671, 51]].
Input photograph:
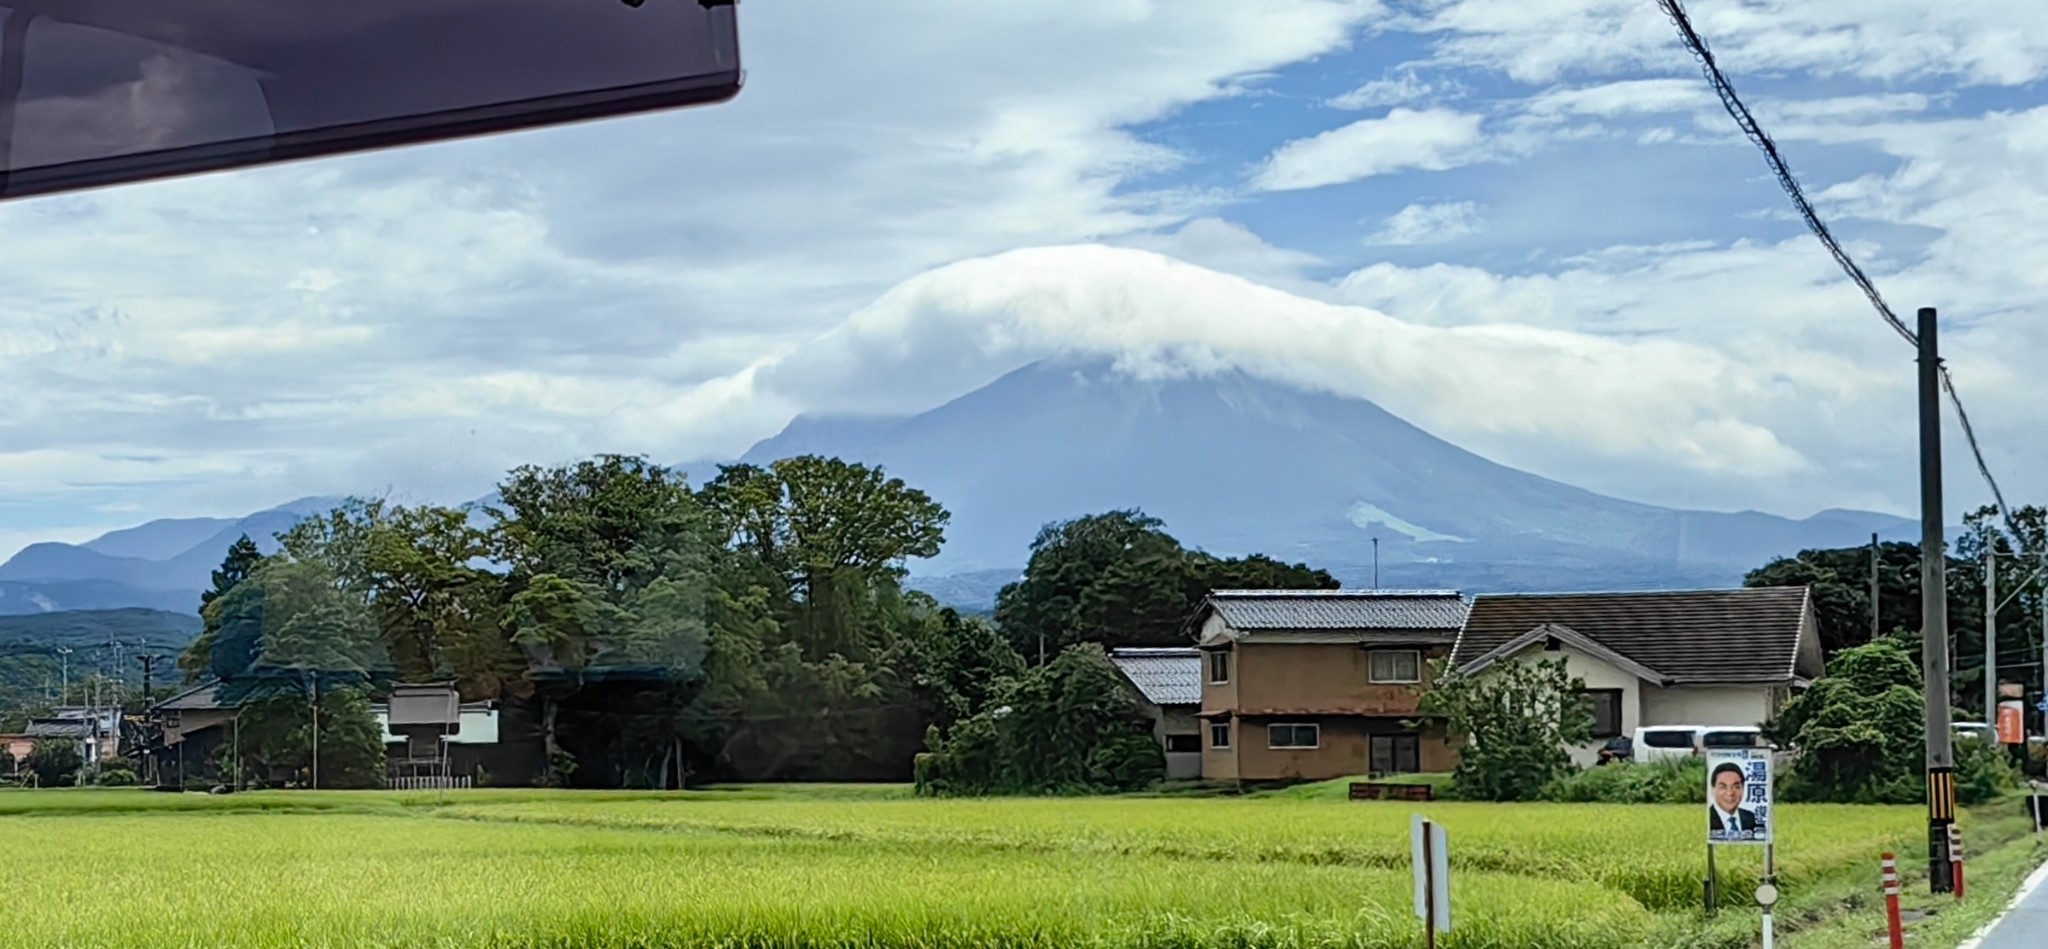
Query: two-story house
[[1319, 684]]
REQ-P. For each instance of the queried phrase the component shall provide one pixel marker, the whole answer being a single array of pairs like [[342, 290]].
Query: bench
[[1384, 791]]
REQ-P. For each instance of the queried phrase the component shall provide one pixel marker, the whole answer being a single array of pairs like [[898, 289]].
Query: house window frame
[[1372, 672], [1614, 696], [1219, 729], [1170, 749], [1219, 659], [1393, 751], [1315, 732]]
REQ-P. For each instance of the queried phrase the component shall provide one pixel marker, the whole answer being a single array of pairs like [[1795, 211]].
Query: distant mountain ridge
[[160, 565], [1233, 463]]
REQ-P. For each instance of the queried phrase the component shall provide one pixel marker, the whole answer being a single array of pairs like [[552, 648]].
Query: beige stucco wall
[[1344, 750], [1707, 705]]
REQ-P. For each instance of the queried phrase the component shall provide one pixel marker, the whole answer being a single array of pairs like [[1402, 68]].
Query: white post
[[1991, 636]]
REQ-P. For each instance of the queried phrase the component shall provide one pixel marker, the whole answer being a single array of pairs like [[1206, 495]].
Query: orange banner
[[2012, 728]]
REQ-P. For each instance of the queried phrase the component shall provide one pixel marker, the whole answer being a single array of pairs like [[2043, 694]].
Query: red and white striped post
[[1955, 856], [1891, 903]]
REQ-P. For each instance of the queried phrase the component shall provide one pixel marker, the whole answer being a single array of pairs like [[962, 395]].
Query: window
[[1179, 744], [1219, 735], [1605, 704], [1396, 754], [1293, 736], [1219, 667], [1396, 666], [1669, 737]]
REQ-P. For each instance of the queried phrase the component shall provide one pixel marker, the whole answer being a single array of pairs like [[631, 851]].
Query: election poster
[[1739, 796]]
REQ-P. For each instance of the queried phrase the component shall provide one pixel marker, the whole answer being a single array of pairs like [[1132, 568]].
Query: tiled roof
[[1165, 676], [204, 696], [59, 728], [1409, 610], [1702, 636]]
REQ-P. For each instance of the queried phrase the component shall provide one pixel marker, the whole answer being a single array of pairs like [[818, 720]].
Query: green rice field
[[849, 867]]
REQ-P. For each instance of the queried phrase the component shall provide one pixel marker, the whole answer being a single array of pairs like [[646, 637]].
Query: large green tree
[[611, 561], [1119, 579], [241, 560]]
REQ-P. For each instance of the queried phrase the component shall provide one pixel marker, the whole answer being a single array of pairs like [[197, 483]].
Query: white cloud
[[1429, 224], [1428, 140], [1503, 386], [1402, 89], [1539, 41], [1627, 97]]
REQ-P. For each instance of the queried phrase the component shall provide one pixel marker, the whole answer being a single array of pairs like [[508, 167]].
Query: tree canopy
[[1119, 579]]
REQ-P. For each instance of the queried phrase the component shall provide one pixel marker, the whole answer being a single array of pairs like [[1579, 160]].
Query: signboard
[[1739, 796], [2012, 722], [1429, 854]]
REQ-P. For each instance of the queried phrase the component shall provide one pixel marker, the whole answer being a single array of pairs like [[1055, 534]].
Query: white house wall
[[1707, 705]]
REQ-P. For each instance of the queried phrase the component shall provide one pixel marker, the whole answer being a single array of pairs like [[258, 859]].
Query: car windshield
[[820, 474]]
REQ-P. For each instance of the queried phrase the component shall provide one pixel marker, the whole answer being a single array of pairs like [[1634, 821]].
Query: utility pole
[[149, 661], [1991, 633], [1375, 563], [1941, 765], [1874, 606], [316, 732], [64, 681]]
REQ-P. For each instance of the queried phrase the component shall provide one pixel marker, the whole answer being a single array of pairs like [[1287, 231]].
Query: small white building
[[1697, 657], [1169, 684]]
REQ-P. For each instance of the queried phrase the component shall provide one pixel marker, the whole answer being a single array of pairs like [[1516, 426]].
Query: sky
[[1524, 225]]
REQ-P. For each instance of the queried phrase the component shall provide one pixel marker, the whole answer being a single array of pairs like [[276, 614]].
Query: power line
[[1732, 102]]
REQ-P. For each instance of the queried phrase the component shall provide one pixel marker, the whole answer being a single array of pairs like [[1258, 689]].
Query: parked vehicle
[[1663, 742], [1618, 748]]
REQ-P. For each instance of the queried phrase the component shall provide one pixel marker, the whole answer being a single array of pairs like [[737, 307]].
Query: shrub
[[1859, 730], [1670, 781], [1984, 771], [1517, 719], [116, 776]]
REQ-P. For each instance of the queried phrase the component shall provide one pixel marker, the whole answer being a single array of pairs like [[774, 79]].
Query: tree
[[1859, 729], [1840, 581], [808, 517], [54, 763], [1071, 725], [613, 563], [831, 530], [1119, 579], [242, 559], [966, 663], [1518, 721]]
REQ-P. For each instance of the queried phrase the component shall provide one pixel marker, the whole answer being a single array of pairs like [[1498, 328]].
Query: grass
[[871, 867]]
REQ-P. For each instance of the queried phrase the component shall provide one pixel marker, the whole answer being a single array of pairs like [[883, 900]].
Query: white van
[[1661, 742]]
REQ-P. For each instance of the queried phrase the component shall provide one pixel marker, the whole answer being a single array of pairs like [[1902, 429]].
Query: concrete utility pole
[[1934, 660], [1991, 635], [1875, 633]]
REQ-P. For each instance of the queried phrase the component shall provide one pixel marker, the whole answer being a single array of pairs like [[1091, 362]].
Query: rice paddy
[[847, 868]]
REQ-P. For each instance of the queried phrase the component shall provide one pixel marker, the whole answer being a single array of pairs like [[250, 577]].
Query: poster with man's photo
[[1739, 796]]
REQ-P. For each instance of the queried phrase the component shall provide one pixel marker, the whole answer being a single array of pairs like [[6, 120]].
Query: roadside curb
[[2033, 882]]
